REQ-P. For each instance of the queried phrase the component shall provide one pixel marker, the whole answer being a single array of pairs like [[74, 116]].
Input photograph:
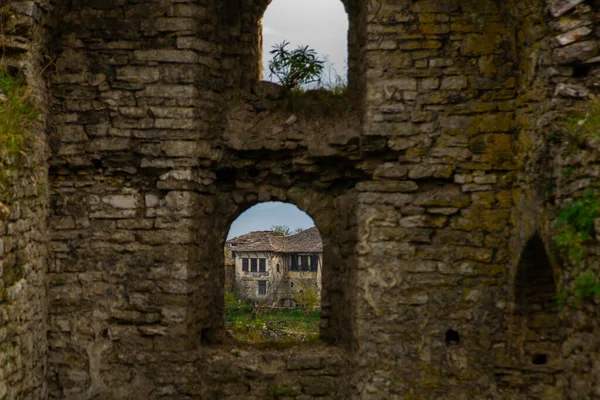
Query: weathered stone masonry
[[426, 188]]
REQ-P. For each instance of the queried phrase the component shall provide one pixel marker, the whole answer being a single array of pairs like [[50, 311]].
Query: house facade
[[276, 269]]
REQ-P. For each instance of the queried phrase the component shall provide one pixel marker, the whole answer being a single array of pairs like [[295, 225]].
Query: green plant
[[586, 287], [296, 67], [307, 295], [16, 116], [575, 225], [567, 172], [581, 125]]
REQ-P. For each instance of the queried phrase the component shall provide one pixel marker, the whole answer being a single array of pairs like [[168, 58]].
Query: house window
[[245, 264], [314, 263], [304, 263], [253, 265], [262, 265], [277, 267], [262, 288]]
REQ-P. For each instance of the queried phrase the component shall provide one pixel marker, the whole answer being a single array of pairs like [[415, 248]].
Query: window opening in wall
[[536, 325], [319, 25], [262, 288], [260, 304], [452, 337]]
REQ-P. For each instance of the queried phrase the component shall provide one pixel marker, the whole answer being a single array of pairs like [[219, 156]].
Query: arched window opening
[[321, 25], [536, 322], [275, 253]]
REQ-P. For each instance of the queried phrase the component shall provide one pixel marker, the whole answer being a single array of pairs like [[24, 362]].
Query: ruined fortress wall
[[23, 213], [557, 73], [161, 136]]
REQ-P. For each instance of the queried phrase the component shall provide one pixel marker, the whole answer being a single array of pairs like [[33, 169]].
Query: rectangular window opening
[[262, 288], [262, 265], [253, 265], [244, 264]]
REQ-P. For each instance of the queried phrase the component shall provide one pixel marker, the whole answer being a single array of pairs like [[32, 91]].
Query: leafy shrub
[[574, 230], [575, 225], [296, 67], [587, 287]]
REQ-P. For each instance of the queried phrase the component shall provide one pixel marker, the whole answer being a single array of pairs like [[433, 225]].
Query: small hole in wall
[[581, 71], [277, 267], [539, 359], [253, 172], [452, 337], [227, 176], [207, 336], [291, 284]]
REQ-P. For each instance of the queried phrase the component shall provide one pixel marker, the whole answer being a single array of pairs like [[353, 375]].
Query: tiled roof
[[308, 241]]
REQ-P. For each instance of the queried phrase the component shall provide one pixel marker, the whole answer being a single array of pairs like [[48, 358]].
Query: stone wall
[[23, 213], [559, 71], [426, 184]]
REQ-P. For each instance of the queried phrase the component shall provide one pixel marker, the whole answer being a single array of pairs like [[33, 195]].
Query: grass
[[316, 102], [271, 326], [581, 125], [16, 117]]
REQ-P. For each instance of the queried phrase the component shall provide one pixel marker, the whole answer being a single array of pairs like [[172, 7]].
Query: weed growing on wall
[[574, 230], [294, 68], [580, 126], [575, 225], [16, 116]]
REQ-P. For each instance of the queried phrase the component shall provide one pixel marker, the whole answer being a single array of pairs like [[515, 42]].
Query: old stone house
[[273, 268]]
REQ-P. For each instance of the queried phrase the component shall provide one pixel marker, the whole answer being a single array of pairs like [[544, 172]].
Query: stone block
[[478, 45], [138, 74], [166, 55], [572, 35], [121, 201], [577, 52], [176, 24], [560, 7]]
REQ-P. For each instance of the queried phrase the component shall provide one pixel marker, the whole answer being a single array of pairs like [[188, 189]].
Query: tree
[[285, 230], [296, 67]]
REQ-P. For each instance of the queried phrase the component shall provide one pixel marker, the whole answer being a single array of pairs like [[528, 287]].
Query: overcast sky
[[320, 24], [263, 216]]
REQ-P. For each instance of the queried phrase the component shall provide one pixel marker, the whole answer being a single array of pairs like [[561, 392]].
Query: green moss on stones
[[16, 116]]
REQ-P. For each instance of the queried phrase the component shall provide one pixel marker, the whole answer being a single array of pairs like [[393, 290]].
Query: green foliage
[[575, 225], [16, 116], [567, 172], [285, 230], [578, 127], [325, 101], [586, 287], [307, 295], [296, 67], [272, 326]]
